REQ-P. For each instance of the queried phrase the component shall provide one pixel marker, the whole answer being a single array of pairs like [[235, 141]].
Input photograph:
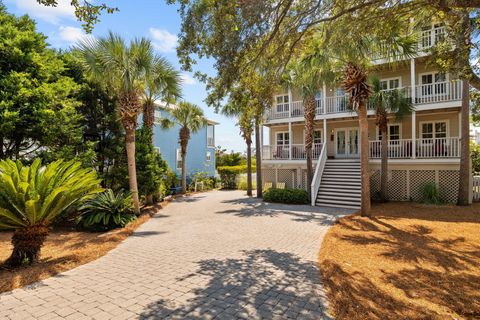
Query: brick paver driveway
[[216, 254]]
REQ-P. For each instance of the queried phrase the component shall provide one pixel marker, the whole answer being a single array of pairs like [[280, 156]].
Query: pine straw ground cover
[[409, 261], [65, 249]]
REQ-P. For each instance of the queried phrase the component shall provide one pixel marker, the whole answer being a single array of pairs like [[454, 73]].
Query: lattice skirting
[[408, 184]]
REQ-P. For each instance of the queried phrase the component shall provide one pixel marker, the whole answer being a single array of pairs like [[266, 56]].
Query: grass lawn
[[409, 261], [63, 250]]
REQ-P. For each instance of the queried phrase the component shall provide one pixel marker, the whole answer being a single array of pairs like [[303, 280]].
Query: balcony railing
[[424, 149], [438, 92], [282, 152]]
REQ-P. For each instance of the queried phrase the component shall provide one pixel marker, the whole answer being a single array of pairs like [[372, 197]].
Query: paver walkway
[[216, 254]]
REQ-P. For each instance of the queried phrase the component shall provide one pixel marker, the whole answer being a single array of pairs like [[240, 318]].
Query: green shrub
[[242, 183], [430, 194], [107, 211], [296, 196], [229, 175], [203, 182]]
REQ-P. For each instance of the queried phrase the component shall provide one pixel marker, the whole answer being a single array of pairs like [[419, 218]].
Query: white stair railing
[[317, 177]]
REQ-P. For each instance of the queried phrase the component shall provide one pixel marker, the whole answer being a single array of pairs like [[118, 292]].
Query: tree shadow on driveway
[[261, 284], [252, 207]]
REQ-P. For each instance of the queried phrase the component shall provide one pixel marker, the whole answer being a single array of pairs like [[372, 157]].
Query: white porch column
[[289, 102], [324, 98], [325, 132], [290, 138], [414, 115]]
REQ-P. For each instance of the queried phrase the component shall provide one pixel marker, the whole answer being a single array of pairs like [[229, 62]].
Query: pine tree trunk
[[309, 130], [132, 170], [365, 169], [27, 243], [249, 168], [384, 164], [465, 174], [258, 158]]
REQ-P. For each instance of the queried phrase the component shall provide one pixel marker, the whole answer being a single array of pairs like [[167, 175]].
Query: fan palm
[[122, 68], [384, 102], [162, 83], [307, 74], [189, 117], [31, 198]]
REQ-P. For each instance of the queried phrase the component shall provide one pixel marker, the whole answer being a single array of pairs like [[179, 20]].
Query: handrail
[[317, 177]]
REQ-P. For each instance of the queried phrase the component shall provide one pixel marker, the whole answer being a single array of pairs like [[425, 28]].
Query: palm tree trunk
[[184, 172], [309, 130], [27, 243], [465, 174], [365, 170], [132, 170], [148, 119], [258, 158], [384, 164], [249, 167]]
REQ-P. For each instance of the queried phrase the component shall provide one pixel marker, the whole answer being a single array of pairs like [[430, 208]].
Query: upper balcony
[[338, 105]]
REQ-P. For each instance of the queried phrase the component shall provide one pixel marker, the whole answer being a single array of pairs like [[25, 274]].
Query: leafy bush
[[431, 194], [107, 211], [475, 155], [32, 197], [229, 175], [242, 183], [203, 181], [295, 196]]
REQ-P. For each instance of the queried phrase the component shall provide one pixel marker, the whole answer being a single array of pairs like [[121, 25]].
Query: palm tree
[[393, 101], [162, 83], [33, 197], [307, 74], [123, 69], [189, 117]]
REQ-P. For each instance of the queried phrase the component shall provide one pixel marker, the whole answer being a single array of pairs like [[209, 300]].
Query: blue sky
[[140, 18]]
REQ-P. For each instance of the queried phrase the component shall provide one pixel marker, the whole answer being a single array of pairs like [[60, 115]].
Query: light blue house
[[200, 150]]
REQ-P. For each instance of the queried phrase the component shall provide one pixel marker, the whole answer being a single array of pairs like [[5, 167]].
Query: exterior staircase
[[341, 184]]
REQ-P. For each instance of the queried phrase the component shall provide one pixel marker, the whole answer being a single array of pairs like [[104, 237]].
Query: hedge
[[295, 196], [229, 174]]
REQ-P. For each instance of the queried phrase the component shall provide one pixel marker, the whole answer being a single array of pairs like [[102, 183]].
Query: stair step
[[338, 202], [335, 194], [340, 180], [338, 188], [342, 174]]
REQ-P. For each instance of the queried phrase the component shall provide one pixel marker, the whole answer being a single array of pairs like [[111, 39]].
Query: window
[[178, 162], [317, 136], [433, 83], [394, 132], [434, 129], [157, 116], [157, 150], [390, 84], [281, 103], [283, 138], [211, 135], [432, 35], [209, 156]]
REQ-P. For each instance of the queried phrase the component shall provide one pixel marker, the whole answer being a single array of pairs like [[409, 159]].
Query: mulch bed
[[65, 249], [408, 261]]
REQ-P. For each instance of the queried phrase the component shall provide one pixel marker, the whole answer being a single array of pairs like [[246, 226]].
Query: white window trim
[[213, 137], [393, 78], [178, 158], [447, 76], [321, 135], [283, 103], [208, 156], [277, 132], [388, 130], [157, 149], [420, 124]]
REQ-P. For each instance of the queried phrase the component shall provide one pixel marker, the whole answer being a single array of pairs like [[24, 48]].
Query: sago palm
[[385, 102], [32, 197], [162, 83], [190, 118], [123, 69]]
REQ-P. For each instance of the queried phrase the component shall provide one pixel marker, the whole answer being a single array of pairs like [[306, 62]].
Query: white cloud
[[73, 34], [188, 79], [163, 40], [47, 13]]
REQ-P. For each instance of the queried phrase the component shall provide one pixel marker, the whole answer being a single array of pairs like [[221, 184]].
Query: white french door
[[347, 143]]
